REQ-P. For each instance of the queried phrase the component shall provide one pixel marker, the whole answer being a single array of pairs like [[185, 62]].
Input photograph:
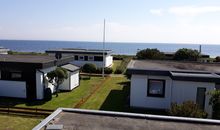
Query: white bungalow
[[156, 84], [23, 76], [3, 50], [83, 56]]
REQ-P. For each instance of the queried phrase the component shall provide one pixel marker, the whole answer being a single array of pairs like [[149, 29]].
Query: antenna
[[200, 49], [103, 61]]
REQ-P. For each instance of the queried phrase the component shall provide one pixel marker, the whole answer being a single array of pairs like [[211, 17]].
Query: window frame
[[156, 95], [80, 58], [92, 59], [16, 75]]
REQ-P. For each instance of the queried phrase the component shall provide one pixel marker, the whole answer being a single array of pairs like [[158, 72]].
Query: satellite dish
[[58, 56]]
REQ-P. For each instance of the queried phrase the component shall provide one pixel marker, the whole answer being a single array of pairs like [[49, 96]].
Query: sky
[[150, 21]]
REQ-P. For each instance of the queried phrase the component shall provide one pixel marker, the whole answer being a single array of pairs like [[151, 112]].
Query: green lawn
[[112, 96], [65, 99], [11, 122], [115, 64]]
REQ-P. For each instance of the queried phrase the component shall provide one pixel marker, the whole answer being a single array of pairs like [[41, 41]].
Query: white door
[[15, 89]]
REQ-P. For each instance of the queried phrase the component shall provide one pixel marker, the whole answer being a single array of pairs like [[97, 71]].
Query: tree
[[186, 54], [89, 68], [217, 59], [150, 54], [215, 102], [57, 77], [187, 109]]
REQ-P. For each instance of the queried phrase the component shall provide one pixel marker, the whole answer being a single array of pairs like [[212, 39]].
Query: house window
[[16, 75], [76, 57], [91, 58], [156, 88], [98, 58], [81, 57], [86, 58]]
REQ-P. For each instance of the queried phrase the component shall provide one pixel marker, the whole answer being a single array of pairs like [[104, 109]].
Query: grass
[[112, 96], [25, 53], [116, 63], [12, 122], [65, 99]]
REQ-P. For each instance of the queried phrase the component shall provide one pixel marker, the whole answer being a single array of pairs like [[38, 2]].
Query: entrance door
[[200, 98]]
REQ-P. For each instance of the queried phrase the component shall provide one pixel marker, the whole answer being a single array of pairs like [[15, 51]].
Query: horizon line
[[114, 42]]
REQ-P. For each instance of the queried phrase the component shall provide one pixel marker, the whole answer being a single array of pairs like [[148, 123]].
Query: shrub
[[215, 102], [47, 94], [89, 68], [150, 54], [217, 59], [108, 70], [99, 70], [186, 54], [187, 109], [118, 70]]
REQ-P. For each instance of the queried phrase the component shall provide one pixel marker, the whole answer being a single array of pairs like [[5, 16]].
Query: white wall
[[138, 93], [13, 88], [74, 82], [109, 61], [39, 82], [71, 82], [186, 90]]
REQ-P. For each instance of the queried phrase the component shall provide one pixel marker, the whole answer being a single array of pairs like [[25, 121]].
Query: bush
[[217, 59], [215, 102], [47, 94], [108, 70], [186, 54], [99, 70], [187, 109], [150, 54], [89, 68], [119, 70]]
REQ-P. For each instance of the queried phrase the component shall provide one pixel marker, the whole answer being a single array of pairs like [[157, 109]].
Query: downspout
[[43, 81]]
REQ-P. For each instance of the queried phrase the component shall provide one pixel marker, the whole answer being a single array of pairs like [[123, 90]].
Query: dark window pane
[[156, 88], [86, 58], [76, 57], [98, 58]]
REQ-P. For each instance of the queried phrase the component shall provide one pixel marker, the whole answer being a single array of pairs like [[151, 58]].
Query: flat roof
[[189, 71], [79, 51], [37, 61], [174, 66], [70, 67], [101, 120]]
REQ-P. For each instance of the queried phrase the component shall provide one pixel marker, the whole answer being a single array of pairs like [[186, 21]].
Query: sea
[[117, 47]]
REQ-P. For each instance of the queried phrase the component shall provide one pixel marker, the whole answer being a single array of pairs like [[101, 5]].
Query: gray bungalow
[[23, 76]]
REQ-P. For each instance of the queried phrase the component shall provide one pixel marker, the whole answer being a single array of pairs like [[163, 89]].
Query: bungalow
[[156, 84], [83, 56], [3, 50], [24, 76]]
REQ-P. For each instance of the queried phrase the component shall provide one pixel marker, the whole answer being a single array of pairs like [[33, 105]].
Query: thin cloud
[[158, 12], [193, 10]]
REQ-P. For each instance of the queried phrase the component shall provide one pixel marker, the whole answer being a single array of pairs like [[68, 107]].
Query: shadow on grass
[[118, 100], [11, 102]]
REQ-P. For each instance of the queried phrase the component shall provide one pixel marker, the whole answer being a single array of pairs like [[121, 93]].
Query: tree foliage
[[187, 109], [150, 54], [217, 59], [57, 77], [215, 102], [186, 54], [89, 68]]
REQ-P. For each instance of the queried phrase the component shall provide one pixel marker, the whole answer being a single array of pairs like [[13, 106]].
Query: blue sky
[[166, 21]]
